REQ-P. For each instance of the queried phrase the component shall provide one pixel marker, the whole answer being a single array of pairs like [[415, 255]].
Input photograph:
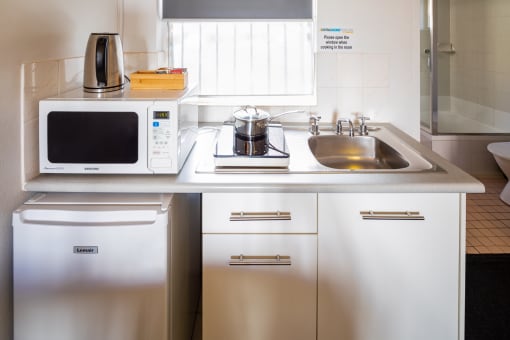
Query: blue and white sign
[[335, 39]]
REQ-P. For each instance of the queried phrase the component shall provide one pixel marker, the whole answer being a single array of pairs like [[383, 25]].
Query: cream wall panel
[[33, 30]]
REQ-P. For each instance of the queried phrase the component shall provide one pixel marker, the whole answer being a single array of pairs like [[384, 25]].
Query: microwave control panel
[[160, 139]]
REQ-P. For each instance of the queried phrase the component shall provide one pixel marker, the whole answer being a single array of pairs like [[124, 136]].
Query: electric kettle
[[104, 63]]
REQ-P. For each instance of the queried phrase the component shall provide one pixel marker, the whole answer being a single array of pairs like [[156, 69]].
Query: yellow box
[[158, 81]]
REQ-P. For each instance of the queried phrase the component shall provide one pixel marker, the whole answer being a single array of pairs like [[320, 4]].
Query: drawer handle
[[391, 215], [260, 216], [247, 260]]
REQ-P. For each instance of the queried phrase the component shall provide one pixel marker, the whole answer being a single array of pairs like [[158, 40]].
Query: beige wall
[[33, 30]]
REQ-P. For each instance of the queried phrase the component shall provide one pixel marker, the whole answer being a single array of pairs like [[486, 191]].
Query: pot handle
[[101, 60], [286, 113]]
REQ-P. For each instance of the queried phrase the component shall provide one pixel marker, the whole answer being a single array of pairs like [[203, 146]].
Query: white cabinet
[[259, 269], [390, 279], [362, 266]]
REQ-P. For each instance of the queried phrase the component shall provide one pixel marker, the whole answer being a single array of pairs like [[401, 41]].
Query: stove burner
[[240, 152], [250, 146]]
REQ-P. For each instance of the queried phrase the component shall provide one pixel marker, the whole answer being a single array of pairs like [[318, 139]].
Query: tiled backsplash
[[350, 84], [42, 79]]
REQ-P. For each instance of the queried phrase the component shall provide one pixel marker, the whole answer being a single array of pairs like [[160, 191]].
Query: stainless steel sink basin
[[355, 153]]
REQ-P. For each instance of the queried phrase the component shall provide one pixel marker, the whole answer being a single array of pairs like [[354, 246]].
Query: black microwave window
[[93, 137]]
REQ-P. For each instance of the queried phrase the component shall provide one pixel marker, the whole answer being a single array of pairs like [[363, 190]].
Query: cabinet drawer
[[259, 213], [269, 301]]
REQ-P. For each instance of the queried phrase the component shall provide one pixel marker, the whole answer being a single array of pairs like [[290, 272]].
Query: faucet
[[314, 125], [339, 129]]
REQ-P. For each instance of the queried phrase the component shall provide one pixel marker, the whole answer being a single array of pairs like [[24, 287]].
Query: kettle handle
[[101, 60]]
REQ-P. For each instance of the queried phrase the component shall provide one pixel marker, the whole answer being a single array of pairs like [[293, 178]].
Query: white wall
[[380, 78], [33, 30]]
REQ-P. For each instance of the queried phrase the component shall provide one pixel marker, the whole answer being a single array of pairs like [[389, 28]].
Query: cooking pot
[[104, 63], [252, 122]]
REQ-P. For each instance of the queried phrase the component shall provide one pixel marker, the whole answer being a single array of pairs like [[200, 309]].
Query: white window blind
[[246, 58]]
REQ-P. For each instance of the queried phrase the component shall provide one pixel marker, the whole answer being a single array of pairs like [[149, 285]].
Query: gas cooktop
[[226, 153]]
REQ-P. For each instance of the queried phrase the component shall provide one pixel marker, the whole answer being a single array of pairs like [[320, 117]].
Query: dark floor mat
[[487, 297]]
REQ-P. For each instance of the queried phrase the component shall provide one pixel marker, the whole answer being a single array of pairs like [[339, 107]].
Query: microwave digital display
[[92, 137], [161, 115]]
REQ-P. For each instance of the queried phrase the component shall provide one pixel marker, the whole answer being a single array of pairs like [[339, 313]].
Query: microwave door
[[93, 137]]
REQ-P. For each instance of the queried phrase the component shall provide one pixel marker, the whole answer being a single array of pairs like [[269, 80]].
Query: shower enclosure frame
[[432, 52]]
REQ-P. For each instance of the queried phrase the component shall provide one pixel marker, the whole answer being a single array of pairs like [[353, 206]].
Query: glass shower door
[[464, 67]]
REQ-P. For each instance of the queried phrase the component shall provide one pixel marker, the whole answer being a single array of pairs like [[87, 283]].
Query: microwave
[[122, 132]]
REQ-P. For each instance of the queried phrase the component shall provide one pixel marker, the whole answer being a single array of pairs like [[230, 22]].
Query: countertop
[[189, 180]]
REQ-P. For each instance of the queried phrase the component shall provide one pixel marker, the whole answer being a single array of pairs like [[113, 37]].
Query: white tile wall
[[39, 80], [376, 70], [134, 61], [70, 74], [326, 64], [350, 70], [352, 84]]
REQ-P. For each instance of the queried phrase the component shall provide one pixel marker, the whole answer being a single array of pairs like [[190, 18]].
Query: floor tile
[[488, 220]]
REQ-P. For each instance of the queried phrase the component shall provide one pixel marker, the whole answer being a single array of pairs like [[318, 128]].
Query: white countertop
[[189, 180]]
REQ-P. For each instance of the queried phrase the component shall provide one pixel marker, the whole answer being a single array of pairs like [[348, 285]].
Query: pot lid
[[250, 113]]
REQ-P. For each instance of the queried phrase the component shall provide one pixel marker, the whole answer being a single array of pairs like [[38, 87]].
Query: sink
[[355, 153]]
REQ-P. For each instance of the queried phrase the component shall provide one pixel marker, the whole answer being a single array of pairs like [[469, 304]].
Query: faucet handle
[[314, 124], [363, 130]]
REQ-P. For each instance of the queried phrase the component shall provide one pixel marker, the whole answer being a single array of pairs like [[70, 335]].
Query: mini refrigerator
[[106, 266]]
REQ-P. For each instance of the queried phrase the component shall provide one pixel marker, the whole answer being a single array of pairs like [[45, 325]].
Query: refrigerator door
[[90, 272]]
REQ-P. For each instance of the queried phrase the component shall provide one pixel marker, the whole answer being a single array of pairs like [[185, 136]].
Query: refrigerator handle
[[88, 217]]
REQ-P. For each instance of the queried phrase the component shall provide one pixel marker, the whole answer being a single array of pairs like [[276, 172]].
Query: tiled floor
[[488, 220]]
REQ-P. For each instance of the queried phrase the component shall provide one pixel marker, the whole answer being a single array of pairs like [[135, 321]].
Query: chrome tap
[[314, 125], [339, 129]]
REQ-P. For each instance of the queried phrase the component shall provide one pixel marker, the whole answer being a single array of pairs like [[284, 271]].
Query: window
[[246, 58]]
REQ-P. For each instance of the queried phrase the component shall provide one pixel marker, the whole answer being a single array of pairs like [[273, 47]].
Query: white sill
[[290, 100]]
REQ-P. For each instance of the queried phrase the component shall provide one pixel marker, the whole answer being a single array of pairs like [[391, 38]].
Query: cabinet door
[[389, 279], [259, 301]]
